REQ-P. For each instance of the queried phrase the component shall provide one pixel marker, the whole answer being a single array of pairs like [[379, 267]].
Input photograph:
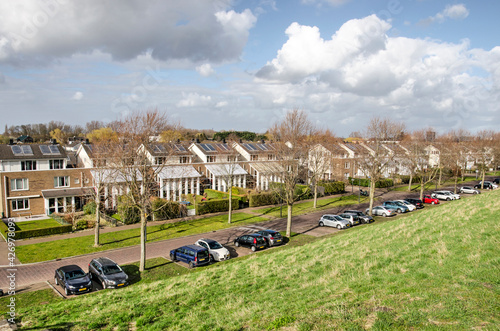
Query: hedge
[[4, 229], [366, 182], [43, 232], [406, 179], [129, 213], [164, 210], [263, 199], [333, 187], [215, 206]]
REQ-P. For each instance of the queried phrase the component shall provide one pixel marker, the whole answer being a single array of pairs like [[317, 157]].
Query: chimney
[[54, 142], [262, 141], [87, 142], [197, 140], [224, 140], [178, 141], [241, 140], [11, 141]]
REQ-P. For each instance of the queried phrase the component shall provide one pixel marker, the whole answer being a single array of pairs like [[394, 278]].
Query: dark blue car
[[193, 255]]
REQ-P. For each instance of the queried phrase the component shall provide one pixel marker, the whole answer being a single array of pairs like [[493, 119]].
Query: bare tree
[[319, 160], [228, 169], [292, 143], [134, 167], [483, 149], [377, 162]]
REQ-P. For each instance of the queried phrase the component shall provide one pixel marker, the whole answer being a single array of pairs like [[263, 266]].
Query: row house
[[35, 179]]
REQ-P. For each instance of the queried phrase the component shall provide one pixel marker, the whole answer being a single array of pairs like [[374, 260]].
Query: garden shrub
[[89, 208], [333, 187], [164, 210], [215, 206]]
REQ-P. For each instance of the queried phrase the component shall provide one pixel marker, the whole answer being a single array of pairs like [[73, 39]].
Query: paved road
[[36, 273]]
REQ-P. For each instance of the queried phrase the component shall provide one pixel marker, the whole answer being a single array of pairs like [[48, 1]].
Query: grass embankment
[[39, 224], [84, 245], [415, 188], [437, 269]]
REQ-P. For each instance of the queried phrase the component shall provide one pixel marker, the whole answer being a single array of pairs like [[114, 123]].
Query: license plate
[[82, 289], [261, 247], [120, 284], [201, 260], [278, 241]]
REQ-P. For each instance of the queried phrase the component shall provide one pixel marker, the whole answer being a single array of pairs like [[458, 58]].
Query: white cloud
[[194, 100], [78, 96], [454, 12], [221, 104], [198, 31], [205, 70], [328, 2]]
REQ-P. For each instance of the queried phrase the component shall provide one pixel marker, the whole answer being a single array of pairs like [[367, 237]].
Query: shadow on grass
[[58, 326]]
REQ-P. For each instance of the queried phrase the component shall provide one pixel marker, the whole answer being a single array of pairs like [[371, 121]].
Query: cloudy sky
[[242, 64]]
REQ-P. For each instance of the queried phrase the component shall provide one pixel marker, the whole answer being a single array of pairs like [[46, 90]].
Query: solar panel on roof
[[54, 149], [207, 147], [180, 148], [223, 146], [250, 147], [27, 149], [16, 149], [44, 149], [263, 147]]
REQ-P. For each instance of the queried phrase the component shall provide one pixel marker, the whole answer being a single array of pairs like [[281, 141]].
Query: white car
[[216, 251], [445, 195], [469, 190], [334, 221], [410, 206]]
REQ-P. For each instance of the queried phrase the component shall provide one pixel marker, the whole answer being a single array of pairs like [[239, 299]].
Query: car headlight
[[110, 282], [71, 287]]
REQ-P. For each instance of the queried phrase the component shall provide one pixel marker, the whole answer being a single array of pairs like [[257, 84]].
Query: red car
[[428, 199]]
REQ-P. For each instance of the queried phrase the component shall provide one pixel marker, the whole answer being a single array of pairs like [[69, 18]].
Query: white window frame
[[32, 163], [14, 204], [14, 184], [59, 162], [57, 181]]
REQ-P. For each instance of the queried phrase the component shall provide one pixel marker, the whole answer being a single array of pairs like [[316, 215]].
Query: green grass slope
[[435, 270]]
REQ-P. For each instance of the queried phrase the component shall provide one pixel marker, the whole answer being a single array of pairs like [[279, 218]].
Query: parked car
[[419, 204], [469, 190], [430, 200], [272, 237], [410, 206], [487, 185], [216, 251], [382, 211], [397, 207], [193, 255], [445, 195], [334, 221], [108, 273], [353, 219], [496, 181], [73, 279], [253, 241], [362, 217]]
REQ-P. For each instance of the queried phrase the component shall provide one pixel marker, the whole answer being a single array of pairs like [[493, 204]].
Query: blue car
[[397, 206], [193, 255]]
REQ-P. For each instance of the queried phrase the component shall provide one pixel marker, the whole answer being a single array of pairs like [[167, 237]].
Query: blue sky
[[241, 65]]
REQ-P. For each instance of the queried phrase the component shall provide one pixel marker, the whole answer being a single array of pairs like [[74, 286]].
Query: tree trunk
[[409, 183], [372, 196], [229, 215], [315, 203], [422, 184], [142, 265], [456, 181], [440, 175], [97, 220], [289, 221], [483, 175]]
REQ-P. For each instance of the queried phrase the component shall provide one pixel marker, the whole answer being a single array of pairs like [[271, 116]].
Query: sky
[[242, 64]]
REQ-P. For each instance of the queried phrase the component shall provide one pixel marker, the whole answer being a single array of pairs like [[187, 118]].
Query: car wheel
[[66, 291], [104, 286], [237, 243], [339, 226], [211, 257], [253, 249], [172, 257], [386, 214], [432, 202], [474, 192], [56, 281], [191, 265], [321, 224], [448, 199], [400, 211]]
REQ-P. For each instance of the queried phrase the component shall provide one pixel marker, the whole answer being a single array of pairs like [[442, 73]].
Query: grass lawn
[[415, 188], [300, 208], [84, 245], [39, 224], [431, 270]]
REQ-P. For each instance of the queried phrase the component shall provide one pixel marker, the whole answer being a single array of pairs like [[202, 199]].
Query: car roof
[[207, 240], [255, 235], [194, 247], [268, 230], [71, 267], [105, 261]]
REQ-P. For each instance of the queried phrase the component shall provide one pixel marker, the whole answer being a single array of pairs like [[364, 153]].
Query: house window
[[346, 175], [347, 165], [270, 157], [254, 157], [19, 184], [231, 158], [184, 159], [211, 158], [160, 160], [56, 164], [77, 181], [20, 204], [61, 181], [28, 165]]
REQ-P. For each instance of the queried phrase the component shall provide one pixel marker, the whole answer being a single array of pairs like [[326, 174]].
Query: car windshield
[[338, 218], [111, 269], [75, 274], [214, 245]]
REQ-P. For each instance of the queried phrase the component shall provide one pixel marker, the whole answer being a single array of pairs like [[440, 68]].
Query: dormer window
[[184, 159], [254, 157], [211, 158], [56, 164], [28, 165]]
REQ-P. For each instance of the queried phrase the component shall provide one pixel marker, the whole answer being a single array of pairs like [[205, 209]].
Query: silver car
[[334, 221], [381, 211], [469, 190], [216, 251]]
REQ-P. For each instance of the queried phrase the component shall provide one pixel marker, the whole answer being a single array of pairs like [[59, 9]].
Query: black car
[[362, 216], [254, 241], [73, 279], [416, 202], [496, 181], [272, 237], [486, 186], [108, 273]]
